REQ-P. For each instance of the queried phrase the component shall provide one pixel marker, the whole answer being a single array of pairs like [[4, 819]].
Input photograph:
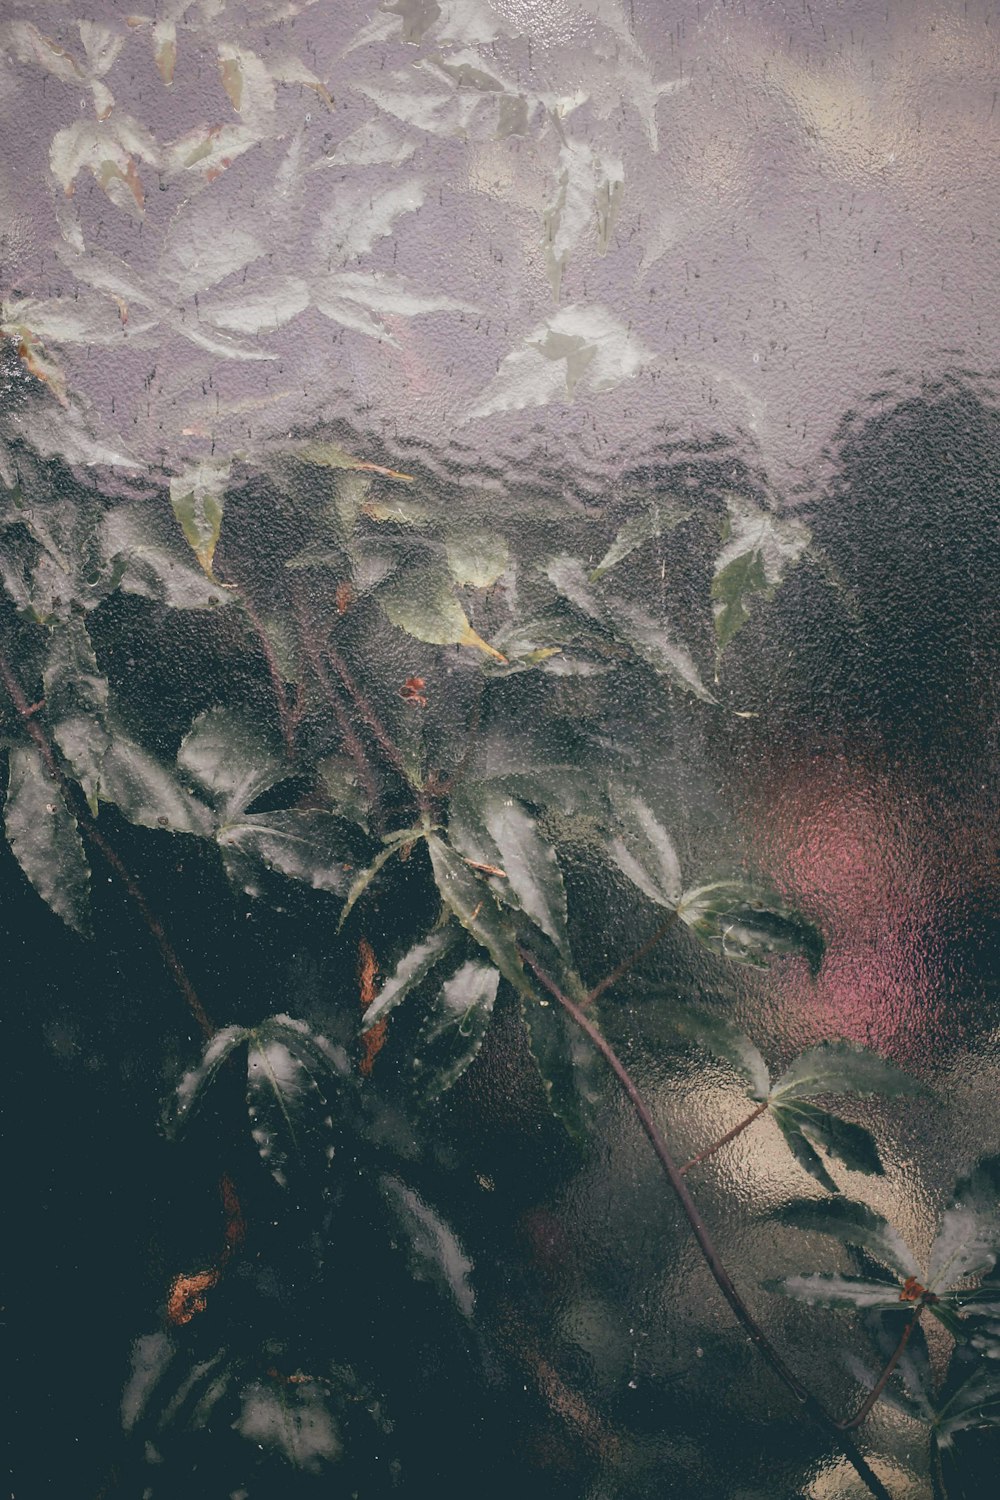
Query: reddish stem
[[701, 1233], [724, 1140], [628, 963], [883, 1380]]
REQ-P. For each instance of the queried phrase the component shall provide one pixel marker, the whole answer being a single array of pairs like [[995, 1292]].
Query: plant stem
[[628, 963], [348, 734], [724, 1140], [883, 1380], [285, 714], [940, 1489], [700, 1231], [90, 831]]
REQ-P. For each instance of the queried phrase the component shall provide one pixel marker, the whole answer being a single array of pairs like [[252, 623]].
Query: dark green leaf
[[45, 840], [476, 908], [156, 561], [229, 759], [642, 850], [661, 516], [453, 1032], [843, 1068], [748, 926], [760, 548], [531, 870], [949, 1318], [717, 1036], [851, 1144], [364, 878], [853, 1224], [76, 702], [412, 969], [308, 845], [195, 1083], [288, 1086], [804, 1152], [147, 792], [436, 1254], [570, 1069], [975, 1404], [650, 640]]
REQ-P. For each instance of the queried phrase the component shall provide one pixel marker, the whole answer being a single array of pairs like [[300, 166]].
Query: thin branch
[[724, 1140], [701, 1233], [386, 744], [883, 1380], [90, 831], [168, 953], [286, 714], [630, 962], [348, 734]]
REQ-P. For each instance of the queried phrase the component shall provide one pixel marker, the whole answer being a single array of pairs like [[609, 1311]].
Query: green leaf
[[288, 1083], [306, 844], [475, 906], [569, 578], [975, 1404], [646, 638], [412, 969], [823, 1289], [853, 1224], [650, 641], [570, 1068], [45, 840], [642, 850], [197, 498], [843, 1068], [851, 1144], [436, 1254], [195, 1084], [661, 516], [748, 926], [154, 560], [423, 603], [717, 1036], [452, 1034], [529, 864], [758, 552], [804, 1152], [477, 558], [147, 793], [968, 1239], [364, 878], [229, 758], [76, 703]]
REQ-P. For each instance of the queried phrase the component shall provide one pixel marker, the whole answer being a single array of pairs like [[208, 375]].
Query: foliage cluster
[[442, 694]]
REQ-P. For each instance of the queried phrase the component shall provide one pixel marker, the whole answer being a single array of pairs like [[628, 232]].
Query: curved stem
[[704, 1239], [628, 963], [348, 734], [883, 1380], [724, 1140]]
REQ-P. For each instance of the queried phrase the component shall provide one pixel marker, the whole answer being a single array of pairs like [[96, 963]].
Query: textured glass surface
[[562, 432]]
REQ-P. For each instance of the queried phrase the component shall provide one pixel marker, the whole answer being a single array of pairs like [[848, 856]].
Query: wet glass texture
[[498, 634]]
